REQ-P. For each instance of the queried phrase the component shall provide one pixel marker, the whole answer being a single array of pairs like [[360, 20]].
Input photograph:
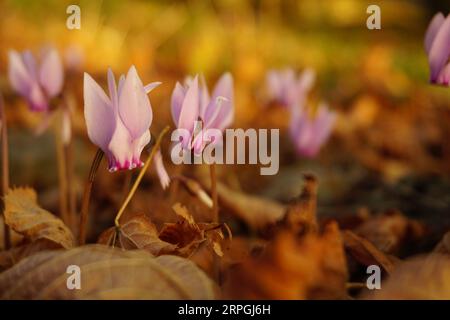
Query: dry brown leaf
[[426, 277], [300, 215], [12, 256], [181, 238], [313, 267], [106, 273], [390, 231], [137, 233], [444, 245], [365, 252], [256, 212], [23, 215]]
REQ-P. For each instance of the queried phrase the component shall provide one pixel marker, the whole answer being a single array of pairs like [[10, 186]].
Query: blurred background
[[389, 149]]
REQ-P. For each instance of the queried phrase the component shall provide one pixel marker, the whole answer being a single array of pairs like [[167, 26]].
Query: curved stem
[[87, 195], [140, 176]]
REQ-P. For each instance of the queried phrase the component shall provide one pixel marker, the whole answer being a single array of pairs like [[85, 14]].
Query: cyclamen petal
[[98, 113], [21, 80], [433, 29], [189, 112], [309, 133], [134, 106], [51, 73], [437, 45], [163, 176]]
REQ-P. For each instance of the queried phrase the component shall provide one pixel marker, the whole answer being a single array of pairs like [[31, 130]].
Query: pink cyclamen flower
[[36, 83], [119, 124], [192, 104], [437, 46], [309, 132], [288, 89]]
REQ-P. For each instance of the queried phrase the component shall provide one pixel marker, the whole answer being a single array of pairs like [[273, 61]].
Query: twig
[[140, 176], [215, 208], [87, 195], [5, 167]]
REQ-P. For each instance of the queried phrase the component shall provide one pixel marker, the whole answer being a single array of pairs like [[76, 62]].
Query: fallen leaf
[[106, 273], [390, 231], [24, 216], [137, 233], [426, 277], [256, 212], [365, 252], [300, 215], [444, 245], [180, 238], [312, 267]]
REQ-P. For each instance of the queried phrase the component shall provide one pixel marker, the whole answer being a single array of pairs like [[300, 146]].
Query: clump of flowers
[[191, 104], [288, 89]]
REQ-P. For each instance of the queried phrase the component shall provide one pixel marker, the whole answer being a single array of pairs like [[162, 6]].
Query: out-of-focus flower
[[119, 124], [288, 89], [192, 104], [310, 131], [74, 57], [36, 83], [437, 46]]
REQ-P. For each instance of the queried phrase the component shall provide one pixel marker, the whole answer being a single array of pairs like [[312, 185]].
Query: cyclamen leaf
[[25, 216]]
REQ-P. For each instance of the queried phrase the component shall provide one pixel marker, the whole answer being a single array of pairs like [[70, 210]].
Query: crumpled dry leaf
[[365, 252], [38, 228], [444, 245], [137, 233], [426, 277], [390, 231], [23, 215], [180, 238], [312, 267], [300, 215], [106, 273]]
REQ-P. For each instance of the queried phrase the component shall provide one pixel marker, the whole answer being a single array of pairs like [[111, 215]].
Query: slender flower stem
[[68, 153], [215, 208], [62, 172], [87, 195], [139, 177], [5, 167]]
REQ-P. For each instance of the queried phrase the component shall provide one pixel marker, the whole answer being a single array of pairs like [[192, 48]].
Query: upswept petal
[[51, 73], [98, 112], [134, 106], [190, 108], [20, 78], [433, 29], [440, 50], [223, 88], [112, 88], [149, 87], [177, 102]]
